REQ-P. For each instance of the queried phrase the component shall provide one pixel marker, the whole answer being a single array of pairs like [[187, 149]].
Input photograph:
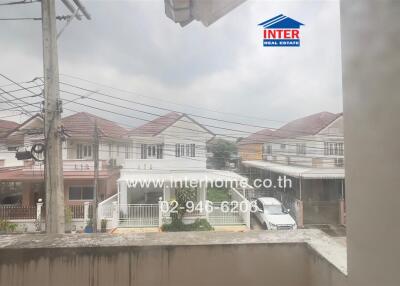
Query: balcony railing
[[71, 165]]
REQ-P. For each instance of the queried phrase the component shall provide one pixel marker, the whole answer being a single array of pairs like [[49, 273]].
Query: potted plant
[[89, 226], [103, 225]]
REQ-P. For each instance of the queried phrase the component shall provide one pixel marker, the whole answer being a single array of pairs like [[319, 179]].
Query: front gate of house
[[139, 215]]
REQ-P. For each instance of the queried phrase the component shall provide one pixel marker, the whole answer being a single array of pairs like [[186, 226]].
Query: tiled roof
[[155, 126], [259, 137], [7, 126], [82, 125], [309, 125]]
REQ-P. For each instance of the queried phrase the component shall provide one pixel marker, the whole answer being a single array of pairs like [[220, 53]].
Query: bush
[[218, 195], [178, 225], [103, 225], [6, 226]]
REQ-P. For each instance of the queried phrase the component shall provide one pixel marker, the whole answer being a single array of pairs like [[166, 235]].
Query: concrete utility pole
[[55, 222], [96, 175]]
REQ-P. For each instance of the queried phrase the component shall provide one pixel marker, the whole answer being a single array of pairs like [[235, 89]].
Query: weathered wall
[[323, 273], [283, 264], [371, 82]]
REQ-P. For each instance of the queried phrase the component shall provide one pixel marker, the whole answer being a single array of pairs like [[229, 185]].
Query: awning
[[298, 171]]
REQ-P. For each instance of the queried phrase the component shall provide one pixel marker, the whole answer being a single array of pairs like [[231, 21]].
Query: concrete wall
[[371, 81], [283, 264]]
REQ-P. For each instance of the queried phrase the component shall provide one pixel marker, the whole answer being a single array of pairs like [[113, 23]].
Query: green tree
[[222, 150]]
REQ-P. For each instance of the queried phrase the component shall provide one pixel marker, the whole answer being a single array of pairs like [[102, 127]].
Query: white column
[[160, 212], [123, 196], [203, 195], [39, 211], [39, 215], [166, 192], [115, 214], [86, 212]]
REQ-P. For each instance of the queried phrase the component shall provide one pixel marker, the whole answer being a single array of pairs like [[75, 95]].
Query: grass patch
[[177, 225], [218, 195]]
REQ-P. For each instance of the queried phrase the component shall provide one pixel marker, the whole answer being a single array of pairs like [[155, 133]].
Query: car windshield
[[273, 209]]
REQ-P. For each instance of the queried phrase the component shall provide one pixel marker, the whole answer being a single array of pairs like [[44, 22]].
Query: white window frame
[[84, 151]]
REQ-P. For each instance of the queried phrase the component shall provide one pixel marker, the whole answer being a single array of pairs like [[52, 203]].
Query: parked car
[[273, 215]]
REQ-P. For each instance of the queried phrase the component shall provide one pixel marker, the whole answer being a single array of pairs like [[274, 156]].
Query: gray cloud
[[133, 45]]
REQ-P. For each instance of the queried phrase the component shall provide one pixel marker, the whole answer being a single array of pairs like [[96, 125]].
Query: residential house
[[251, 147], [7, 157], [23, 181], [309, 151], [170, 151]]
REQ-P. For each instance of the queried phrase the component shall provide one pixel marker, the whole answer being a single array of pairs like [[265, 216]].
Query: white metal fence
[[218, 216], [139, 215], [236, 212], [106, 207], [244, 206]]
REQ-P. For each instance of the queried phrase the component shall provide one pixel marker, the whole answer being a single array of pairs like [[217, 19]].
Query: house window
[[151, 151], [127, 151], [192, 150], [185, 150], [143, 151], [268, 149], [12, 148], [117, 150], [80, 193], [301, 148], [283, 146], [333, 148], [160, 151], [83, 151]]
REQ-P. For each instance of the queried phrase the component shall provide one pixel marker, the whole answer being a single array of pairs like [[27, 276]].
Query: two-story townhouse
[[170, 154], [78, 165], [310, 152]]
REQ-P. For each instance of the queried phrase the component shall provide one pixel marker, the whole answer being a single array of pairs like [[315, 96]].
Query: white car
[[272, 215]]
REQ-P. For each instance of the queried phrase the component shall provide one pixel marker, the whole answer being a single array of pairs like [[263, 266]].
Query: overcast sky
[[132, 45]]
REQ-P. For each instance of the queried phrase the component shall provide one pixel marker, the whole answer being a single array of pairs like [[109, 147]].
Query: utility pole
[[55, 222], [96, 175]]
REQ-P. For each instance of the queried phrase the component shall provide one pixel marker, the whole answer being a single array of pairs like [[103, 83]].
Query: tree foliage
[[222, 151]]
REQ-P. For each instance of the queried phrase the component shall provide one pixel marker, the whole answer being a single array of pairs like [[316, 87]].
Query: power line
[[172, 102], [172, 110], [19, 2], [161, 108], [135, 117], [21, 19], [20, 89], [213, 126]]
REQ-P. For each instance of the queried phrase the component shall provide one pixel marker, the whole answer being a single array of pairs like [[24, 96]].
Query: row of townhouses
[[170, 149], [310, 152]]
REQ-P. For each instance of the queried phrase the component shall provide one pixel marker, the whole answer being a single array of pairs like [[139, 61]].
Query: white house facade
[[170, 153]]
